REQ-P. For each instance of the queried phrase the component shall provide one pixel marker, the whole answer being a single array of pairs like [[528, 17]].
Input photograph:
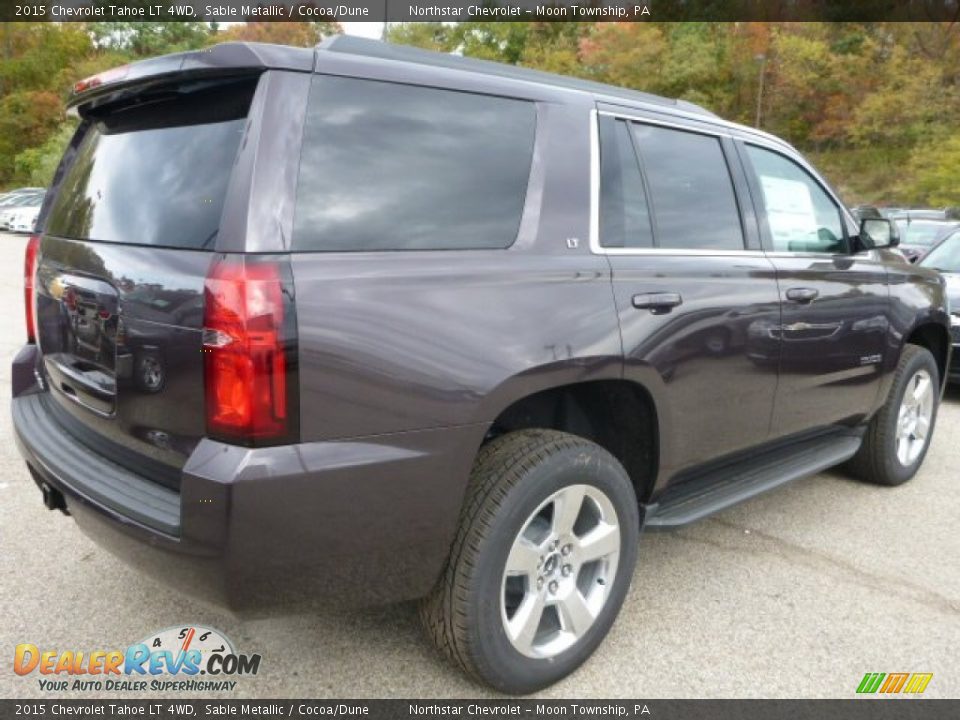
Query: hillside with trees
[[40, 62], [875, 105]]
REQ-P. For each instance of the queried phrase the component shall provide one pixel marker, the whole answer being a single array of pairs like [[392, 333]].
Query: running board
[[696, 499]]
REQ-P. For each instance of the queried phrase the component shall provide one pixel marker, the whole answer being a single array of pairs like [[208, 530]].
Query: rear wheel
[[541, 564], [898, 437]]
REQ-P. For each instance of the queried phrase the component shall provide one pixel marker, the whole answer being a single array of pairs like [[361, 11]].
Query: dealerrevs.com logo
[[186, 658]]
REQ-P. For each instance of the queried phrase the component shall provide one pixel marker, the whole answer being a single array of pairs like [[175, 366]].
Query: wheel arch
[[619, 415], [934, 337]]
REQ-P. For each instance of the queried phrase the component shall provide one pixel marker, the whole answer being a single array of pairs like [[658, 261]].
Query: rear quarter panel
[[391, 342]]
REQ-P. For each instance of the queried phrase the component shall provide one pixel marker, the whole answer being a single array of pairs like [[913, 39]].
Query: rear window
[[155, 172], [399, 167]]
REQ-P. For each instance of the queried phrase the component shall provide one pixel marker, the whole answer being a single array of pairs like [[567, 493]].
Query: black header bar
[[486, 10]]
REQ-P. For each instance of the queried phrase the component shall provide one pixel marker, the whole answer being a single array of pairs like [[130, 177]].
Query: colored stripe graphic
[[918, 682], [892, 683], [870, 682]]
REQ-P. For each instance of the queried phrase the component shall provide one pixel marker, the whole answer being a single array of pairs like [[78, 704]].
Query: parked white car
[[23, 219], [23, 211], [8, 199]]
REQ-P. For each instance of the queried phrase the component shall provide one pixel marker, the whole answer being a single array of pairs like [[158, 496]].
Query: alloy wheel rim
[[915, 418], [560, 571]]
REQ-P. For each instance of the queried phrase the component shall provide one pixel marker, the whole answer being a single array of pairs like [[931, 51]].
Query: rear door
[[695, 296], [127, 244], [835, 307]]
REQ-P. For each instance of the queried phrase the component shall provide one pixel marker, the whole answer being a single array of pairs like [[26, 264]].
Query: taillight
[[248, 350], [29, 280]]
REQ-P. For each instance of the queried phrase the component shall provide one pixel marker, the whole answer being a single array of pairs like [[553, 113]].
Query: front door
[[835, 307]]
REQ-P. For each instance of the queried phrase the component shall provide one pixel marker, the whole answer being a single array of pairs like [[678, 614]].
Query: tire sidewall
[[897, 472], [497, 660]]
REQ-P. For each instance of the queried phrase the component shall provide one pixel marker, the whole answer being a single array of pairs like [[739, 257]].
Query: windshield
[[155, 173], [923, 233], [945, 257]]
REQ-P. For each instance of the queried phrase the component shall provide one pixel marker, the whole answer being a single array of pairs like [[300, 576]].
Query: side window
[[800, 214], [694, 204], [399, 167], [624, 214]]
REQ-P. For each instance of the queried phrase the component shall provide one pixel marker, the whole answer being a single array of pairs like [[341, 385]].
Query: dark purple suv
[[371, 323]]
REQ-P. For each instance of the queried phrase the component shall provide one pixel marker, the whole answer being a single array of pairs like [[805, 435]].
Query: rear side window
[[693, 199], [624, 213], [155, 172], [397, 167]]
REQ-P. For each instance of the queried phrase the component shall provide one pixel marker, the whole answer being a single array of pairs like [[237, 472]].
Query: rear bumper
[[364, 521]]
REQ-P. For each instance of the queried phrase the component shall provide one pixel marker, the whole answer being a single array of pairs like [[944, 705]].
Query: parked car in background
[[865, 211], [888, 212], [23, 207], [23, 219], [945, 258], [11, 197], [425, 326], [918, 233]]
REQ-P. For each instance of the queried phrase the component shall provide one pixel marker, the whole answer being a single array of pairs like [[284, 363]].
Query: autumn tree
[[300, 34]]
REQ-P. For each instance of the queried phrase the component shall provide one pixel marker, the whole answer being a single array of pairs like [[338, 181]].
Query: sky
[[363, 29]]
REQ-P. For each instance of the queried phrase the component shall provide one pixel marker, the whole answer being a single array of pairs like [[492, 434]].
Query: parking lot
[[795, 594]]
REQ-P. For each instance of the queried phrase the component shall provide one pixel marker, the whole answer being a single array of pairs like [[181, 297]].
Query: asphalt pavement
[[797, 593]]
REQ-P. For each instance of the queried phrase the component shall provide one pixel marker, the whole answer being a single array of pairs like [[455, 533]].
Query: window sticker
[[790, 211]]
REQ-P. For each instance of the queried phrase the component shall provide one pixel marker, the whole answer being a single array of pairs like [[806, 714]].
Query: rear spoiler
[[225, 58]]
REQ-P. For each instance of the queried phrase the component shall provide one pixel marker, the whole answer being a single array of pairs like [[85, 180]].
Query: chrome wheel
[[915, 417], [560, 571]]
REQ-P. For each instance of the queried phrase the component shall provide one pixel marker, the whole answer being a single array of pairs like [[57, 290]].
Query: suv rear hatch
[[128, 243]]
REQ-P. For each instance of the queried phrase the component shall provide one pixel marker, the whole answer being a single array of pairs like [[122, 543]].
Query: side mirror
[[878, 233]]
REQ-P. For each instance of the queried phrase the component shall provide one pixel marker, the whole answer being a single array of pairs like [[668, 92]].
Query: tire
[[519, 484], [879, 459]]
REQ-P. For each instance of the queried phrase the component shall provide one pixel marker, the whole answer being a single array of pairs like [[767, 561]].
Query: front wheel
[[542, 561], [899, 435]]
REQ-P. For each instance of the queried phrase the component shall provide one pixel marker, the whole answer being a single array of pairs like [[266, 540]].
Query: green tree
[[933, 173], [429, 36], [37, 165], [146, 39], [35, 53], [27, 118], [301, 34]]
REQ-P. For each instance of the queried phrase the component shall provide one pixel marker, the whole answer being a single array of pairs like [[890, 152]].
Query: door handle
[[658, 302], [802, 295]]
